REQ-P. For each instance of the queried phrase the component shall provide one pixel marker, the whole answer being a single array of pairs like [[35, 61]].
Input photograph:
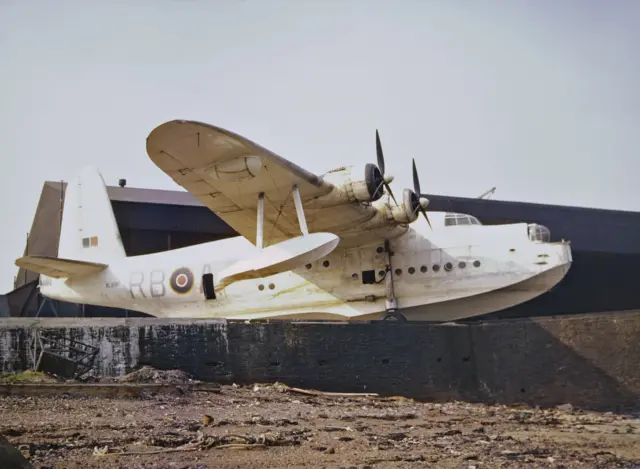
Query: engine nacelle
[[409, 209], [388, 214], [353, 184]]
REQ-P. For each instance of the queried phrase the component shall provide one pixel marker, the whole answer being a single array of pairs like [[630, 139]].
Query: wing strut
[[260, 216], [299, 210], [280, 257], [260, 224]]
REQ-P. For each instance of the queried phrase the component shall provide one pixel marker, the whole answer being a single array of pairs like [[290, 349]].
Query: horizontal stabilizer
[[59, 268], [281, 257]]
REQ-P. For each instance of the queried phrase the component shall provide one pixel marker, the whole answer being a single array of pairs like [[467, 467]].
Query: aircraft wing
[[59, 268], [227, 172]]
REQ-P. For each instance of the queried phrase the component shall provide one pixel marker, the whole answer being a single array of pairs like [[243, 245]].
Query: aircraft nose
[[565, 253], [562, 252], [553, 254]]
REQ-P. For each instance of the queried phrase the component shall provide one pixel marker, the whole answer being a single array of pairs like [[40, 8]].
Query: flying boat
[[335, 246]]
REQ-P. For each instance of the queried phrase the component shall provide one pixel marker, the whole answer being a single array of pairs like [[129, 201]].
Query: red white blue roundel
[[181, 280]]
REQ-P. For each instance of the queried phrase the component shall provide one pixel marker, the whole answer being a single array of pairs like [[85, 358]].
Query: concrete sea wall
[[590, 361]]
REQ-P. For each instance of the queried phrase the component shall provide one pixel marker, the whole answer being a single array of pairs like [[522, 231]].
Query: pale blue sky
[[539, 98]]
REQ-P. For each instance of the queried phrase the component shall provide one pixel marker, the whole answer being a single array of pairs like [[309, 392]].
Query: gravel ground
[[271, 427]]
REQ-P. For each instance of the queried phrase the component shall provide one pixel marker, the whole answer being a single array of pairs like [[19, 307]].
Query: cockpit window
[[454, 219]]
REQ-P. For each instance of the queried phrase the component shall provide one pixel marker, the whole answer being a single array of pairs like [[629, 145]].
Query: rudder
[[89, 230]]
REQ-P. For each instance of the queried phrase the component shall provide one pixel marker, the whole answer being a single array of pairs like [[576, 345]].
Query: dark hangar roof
[[152, 196]]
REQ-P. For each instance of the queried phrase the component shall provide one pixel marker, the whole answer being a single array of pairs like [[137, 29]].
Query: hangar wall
[[589, 361]]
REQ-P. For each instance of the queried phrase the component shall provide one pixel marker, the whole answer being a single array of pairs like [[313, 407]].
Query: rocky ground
[[272, 426]]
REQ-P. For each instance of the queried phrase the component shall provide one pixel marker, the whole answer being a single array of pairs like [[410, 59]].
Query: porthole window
[[308, 266], [354, 276], [398, 271], [381, 273], [462, 264], [325, 263], [476, 263], [271, 286], [423, 269], [379, 249], [412, 270], [261, 287], [435, 267], [448, 266]]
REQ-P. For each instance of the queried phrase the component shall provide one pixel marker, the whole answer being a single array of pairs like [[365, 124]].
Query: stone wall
[[590, 361]]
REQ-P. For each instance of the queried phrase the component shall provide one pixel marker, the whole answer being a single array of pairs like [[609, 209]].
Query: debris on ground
[[27, 377], [149, 375], [266, 426]]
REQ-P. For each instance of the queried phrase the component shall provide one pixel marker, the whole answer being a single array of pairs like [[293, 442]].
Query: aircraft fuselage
[[447, 273]]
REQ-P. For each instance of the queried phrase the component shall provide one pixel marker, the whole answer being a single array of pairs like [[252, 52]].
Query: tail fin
[[89, 230]]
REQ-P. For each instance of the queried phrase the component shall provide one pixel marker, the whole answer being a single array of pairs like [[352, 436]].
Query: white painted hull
[[421, 299], [475, 305], [493, 301]]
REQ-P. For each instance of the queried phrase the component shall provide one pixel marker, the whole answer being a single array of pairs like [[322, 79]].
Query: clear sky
[[539, 98]]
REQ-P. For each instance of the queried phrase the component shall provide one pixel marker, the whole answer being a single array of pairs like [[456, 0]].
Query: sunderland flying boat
[[332, 246]]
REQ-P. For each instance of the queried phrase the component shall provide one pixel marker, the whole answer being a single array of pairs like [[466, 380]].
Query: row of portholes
[[448, 267], [436, 267], [324, 264]]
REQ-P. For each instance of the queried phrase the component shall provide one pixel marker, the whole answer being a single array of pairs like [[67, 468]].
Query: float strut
[[301, 219], [392, 302]]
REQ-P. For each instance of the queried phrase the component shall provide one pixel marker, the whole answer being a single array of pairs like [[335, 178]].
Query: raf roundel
[[181, 280]]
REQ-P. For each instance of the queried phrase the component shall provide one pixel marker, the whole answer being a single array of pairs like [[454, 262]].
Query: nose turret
[[539, 233]]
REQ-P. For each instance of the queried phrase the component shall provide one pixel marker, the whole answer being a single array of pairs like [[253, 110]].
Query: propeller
[[388, 179], [423, 202]]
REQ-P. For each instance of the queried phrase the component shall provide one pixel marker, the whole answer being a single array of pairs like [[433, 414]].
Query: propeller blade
[[379, 153], [380, 156], [424, 212], [416, 189], [416, 181], [388, 187]]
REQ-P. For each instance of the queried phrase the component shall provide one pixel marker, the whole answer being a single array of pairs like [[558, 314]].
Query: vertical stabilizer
[[89, 230]]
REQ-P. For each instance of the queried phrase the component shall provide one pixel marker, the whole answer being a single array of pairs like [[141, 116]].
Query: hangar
[[606, 251]]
